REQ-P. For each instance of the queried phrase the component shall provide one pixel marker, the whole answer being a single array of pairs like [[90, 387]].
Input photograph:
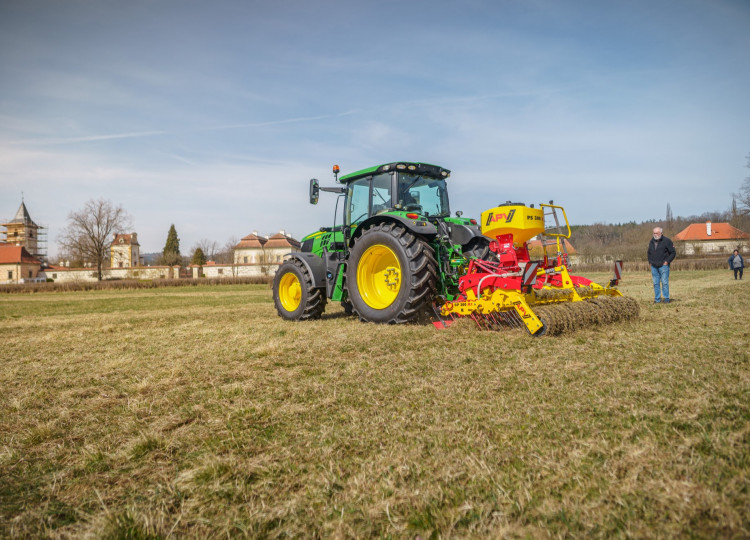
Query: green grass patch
[[196, 411]]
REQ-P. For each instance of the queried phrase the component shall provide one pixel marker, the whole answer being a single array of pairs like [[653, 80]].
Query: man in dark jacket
[[736, 263], [661, 253]]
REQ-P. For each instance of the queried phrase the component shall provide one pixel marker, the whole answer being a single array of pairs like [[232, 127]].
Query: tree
[[198, 257], [170, 255], [210, 248], [89, 232], [226, 254], [744, 194]]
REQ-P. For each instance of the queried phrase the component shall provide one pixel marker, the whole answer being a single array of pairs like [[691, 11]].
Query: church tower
[[22, 231]]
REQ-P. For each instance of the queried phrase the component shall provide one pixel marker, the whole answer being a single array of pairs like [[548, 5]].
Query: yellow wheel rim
[[290, 292], [379, 277]]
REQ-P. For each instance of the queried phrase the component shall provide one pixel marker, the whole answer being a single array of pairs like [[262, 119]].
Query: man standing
[[661, 253], [736, 263]]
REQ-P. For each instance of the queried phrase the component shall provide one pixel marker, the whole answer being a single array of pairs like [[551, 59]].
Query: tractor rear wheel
[[391, 275], [479, 248], [293, 293]]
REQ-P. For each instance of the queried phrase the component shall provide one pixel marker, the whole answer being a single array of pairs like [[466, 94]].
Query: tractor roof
[[405, 166]]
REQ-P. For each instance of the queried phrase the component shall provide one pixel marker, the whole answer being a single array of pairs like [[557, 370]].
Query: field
[[198, 412]]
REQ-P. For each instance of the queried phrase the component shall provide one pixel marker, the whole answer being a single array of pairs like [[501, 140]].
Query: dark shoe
[[666, 300], [657, 301]]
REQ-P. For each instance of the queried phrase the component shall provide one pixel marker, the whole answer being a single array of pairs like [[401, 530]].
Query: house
[[250, 249], [255, 249], [279, 245], [125, 251], [711, 238], [17, 265]]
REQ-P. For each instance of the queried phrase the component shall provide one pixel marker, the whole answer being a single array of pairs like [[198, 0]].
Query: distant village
[[23, 256]]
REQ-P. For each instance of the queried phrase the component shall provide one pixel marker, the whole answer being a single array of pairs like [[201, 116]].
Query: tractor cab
[[396, 188]]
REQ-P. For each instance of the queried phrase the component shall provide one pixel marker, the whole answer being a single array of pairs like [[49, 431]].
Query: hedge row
[[643, 266], [129, 284]]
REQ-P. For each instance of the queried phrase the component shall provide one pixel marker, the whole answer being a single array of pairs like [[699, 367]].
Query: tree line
[[87, 237], [629, 241]]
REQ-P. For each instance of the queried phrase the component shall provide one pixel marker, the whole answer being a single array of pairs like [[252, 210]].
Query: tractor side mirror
[[314, 191]]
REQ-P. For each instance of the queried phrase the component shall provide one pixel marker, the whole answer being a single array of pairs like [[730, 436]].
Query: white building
[[125, 251], [711, 239]]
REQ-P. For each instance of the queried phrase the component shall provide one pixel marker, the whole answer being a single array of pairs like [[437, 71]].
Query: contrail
[[91, 138], [276, 122], [136, 134]]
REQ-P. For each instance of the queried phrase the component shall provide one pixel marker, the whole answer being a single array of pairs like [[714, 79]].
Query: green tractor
[[396, 255]]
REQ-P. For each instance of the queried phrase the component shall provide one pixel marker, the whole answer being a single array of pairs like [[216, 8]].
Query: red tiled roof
[[251, 241], [719, 231], [280, 240], [127, 239], [16, 255]]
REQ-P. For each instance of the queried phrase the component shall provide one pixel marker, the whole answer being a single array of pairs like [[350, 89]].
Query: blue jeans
[[660, 274]]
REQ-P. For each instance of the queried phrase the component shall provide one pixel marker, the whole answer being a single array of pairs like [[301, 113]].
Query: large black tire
[[293, 293], [479, 248], [391, 275], [347, 305]]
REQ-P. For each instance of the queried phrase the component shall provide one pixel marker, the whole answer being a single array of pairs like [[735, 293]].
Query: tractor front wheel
[[293, 293], [391, 275]]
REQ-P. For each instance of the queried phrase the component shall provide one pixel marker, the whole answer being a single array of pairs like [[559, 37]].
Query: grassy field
[[198, 412]]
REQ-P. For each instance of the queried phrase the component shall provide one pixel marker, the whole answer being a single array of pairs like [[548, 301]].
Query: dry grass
[[198, 412]]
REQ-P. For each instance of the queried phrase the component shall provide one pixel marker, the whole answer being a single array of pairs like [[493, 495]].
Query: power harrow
[[512, 290]]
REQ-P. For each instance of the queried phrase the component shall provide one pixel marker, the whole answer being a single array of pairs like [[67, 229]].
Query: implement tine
[[478, 320], [496, 323], [507, 319], [517, 320], [512, 319], [488, 320]]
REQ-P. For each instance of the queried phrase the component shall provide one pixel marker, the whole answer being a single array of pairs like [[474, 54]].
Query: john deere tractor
[[397, 252]]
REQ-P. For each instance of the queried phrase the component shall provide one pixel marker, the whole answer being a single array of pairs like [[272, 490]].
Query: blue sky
[[214, 115]]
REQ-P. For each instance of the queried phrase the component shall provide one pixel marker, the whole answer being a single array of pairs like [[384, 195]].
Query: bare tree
[[88, 234], [744, 194], [225, 255], [210, 248]]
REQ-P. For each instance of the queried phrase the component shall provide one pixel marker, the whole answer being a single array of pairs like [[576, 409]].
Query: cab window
[[381, 193], [358, 195]]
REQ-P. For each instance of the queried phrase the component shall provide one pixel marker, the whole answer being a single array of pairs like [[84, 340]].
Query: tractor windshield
[[428, 196]]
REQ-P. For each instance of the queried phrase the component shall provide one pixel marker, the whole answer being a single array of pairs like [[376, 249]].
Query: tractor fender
[[463, 234], [314, 264], [424, 229]]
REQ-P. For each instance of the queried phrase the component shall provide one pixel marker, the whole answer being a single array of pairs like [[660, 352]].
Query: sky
[[213, 116]]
